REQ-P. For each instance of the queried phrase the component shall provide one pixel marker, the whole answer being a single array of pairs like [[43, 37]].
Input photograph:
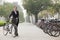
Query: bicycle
[[8, 28], [55, 30]]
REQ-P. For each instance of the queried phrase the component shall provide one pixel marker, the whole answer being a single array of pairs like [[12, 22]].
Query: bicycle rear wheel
[[13, 30]]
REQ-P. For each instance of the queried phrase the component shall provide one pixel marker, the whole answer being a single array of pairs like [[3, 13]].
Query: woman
[[15, 19]]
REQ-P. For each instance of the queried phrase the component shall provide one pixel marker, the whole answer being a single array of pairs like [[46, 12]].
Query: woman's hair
[[15, 7]]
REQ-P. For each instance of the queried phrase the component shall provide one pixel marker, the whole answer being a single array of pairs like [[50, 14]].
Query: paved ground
[[28, 31]]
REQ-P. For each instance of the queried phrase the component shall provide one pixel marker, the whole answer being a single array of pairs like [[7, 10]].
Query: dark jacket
[[14, 17]]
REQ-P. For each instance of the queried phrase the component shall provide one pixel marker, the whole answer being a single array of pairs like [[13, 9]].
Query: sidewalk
[[28, 31]]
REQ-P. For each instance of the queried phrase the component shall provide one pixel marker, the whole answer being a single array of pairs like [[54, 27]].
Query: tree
[[56, 1], [5, 9], [49, 11], [57, 7], [35, 6]]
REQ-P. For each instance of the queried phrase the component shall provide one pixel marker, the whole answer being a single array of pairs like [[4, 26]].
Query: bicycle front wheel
[[5, 29], [54, 31]]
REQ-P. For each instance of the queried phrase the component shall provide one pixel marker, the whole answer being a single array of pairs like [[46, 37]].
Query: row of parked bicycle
[[50, 27]]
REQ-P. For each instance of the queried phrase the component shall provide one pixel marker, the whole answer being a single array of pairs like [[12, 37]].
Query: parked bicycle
[[52, 27], [55, 29]]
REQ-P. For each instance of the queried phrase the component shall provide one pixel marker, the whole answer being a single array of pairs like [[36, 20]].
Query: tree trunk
[[36, 18]]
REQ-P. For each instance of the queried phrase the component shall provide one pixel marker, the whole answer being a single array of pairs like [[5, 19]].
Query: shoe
[[10, 32], [14, 36]]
